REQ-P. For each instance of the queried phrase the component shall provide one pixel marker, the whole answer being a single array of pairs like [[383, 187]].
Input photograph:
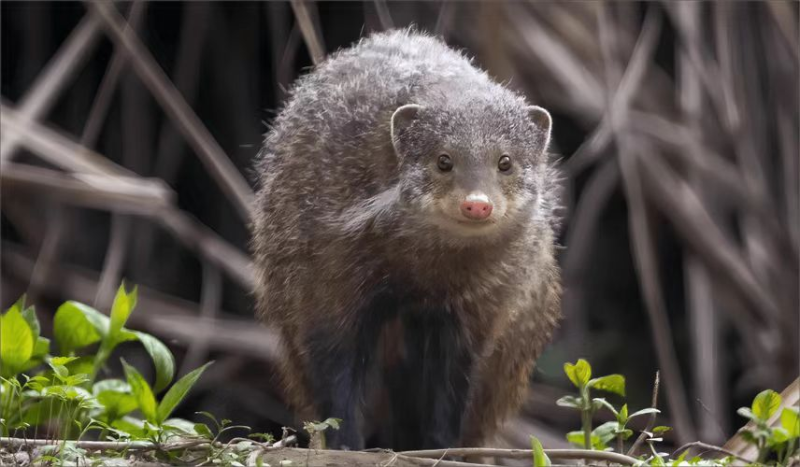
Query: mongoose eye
[[504, 164], [444, 163]]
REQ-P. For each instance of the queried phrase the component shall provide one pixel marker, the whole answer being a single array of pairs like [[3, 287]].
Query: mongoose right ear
[[541, 118], [402, 119]]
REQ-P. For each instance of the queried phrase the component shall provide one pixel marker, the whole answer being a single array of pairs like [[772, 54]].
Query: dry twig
[[43, 92], [211, 154], [310, 33]]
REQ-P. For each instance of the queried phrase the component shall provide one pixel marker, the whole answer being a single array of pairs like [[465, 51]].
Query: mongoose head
[[471, 168]]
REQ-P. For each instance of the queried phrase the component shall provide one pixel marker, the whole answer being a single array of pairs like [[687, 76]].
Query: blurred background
[[129, 131]]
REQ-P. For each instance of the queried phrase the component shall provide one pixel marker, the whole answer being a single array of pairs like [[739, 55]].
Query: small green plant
[[316, 431], [580, 374], [66, 391], [776, 445], [779, 442]]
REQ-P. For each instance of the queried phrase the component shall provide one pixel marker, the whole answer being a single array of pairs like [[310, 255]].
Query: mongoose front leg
[[336, 378], [340, 363], [438, 354]]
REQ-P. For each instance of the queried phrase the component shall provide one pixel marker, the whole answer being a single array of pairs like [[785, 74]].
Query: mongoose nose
[[476, 209]]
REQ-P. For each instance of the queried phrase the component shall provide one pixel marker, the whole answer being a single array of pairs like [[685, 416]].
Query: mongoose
[[407, 197]]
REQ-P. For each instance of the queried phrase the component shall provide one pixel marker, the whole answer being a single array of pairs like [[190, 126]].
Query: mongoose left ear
[[541, 118], [402, 119]]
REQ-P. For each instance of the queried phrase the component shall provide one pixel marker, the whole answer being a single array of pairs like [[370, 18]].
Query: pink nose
[[476, 209]]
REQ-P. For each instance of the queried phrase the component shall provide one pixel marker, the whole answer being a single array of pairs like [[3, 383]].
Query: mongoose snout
[[476, 207]]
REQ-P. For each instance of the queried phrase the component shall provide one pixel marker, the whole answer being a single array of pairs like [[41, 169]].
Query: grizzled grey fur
[[389, 302]]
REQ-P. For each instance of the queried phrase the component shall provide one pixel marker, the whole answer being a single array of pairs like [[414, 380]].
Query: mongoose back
[[406, 198]]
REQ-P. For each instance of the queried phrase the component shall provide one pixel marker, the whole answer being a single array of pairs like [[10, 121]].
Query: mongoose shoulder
[[402, 188]]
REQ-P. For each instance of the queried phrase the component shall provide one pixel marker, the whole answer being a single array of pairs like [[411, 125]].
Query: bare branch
[[58, 149], [211, 154], [709, 447], [97, 114], [585, 92], [115, 193], [643, 243], [651, 420], [48, 85], [683, 208], [107, 177], [312, 37], [214, 249], [524, 454], [159, 313], [384, 15], [194, 31]]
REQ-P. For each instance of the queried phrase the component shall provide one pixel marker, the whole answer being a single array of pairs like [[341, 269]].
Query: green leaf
[[203, 430], [180, 425], [41, 347], [765, 404], [579, 373], [41, 412], [657, 461], [76, 326], [162, 359], [661, 429], [779, 435], [570, 401], [30, 317], [746, 413], [132, 426], [177, 392], [623, 417], [600, 402], [59, 368], [62, 360], [540, 459], [81, 365], [790, 421], [610, 383], [142, 392], [121, 308], [606, 432], [16, 342], [116, 385], [331, 422], [116, 404], [649, 410], [577, 438]]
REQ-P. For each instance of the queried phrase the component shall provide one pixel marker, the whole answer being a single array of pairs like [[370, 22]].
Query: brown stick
[[43, 92], [708, 447], [102, 101], [691, 221], [211, 154], [114, 193], [310, 34], [643, 248], [524, 454], [60, 150], [162, 314], [643, 435]]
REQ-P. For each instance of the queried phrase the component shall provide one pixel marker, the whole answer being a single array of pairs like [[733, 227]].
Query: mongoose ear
[[541, 118], [402, 119]]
